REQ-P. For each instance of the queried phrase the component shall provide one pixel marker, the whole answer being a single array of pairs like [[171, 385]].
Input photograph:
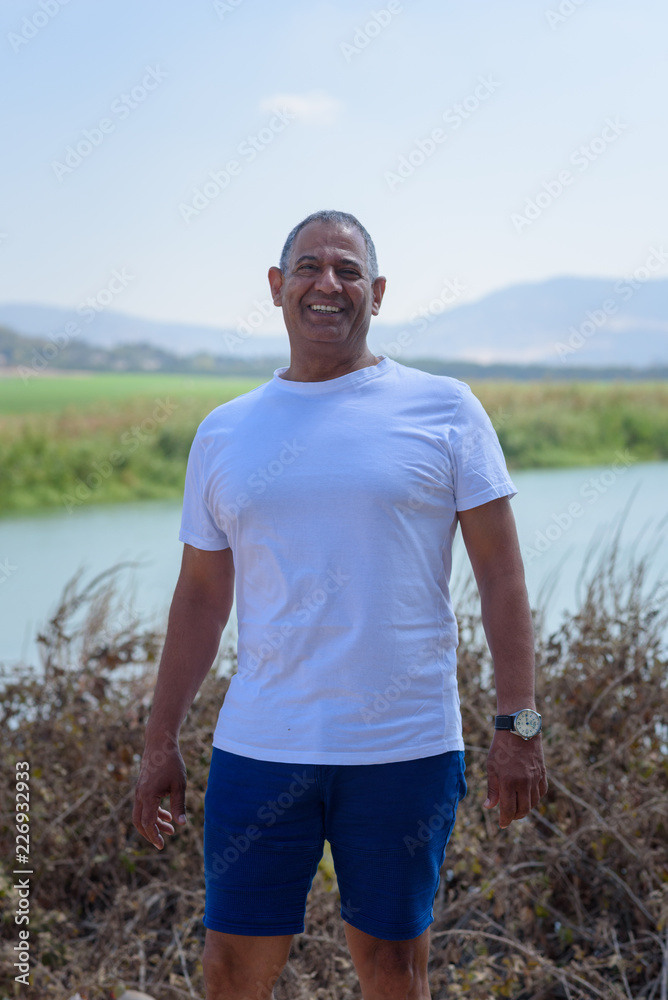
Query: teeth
[[328, 309]]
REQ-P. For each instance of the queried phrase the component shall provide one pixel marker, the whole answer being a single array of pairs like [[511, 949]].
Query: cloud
[[314, 108]]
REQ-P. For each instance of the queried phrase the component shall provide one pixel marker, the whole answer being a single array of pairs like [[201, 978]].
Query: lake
[[560, 513]]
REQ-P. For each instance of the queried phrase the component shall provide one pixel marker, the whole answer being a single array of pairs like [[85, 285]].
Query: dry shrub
[[573, 901], [569, 903]]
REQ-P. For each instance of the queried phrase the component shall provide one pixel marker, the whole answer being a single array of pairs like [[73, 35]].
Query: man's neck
[[319, 369]]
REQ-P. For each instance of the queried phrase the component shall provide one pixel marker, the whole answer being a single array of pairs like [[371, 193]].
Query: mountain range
[[557, 322]]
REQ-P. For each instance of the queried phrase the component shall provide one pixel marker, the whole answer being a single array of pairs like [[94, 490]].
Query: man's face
[[326, 293]]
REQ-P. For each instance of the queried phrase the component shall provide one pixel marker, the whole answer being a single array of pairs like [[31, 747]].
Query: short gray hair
[[338, 218]]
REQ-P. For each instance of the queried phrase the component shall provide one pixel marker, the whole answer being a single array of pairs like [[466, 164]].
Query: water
[[566, 517], [559, 513]]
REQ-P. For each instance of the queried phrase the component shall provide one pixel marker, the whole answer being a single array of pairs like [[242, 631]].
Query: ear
[[378, 292], [276, 284]]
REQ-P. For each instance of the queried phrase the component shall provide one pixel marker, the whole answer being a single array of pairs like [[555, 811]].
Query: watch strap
[[504, 721]]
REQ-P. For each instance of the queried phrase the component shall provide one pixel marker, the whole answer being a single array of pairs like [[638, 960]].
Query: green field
[[53, 395], [73, 440]]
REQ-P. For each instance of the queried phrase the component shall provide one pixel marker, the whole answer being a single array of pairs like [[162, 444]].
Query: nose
[[328, 281]]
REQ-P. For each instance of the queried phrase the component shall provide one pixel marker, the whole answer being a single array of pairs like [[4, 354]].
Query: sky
[[175, 144]]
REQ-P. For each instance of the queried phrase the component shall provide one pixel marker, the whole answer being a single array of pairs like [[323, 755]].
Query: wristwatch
[[525, 723]]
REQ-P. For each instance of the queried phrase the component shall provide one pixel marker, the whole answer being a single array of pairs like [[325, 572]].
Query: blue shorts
[[265, 824]]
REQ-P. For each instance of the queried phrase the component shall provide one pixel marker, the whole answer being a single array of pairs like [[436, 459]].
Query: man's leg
[[390, 970], [263, 839], [240, 967], [389, 825]]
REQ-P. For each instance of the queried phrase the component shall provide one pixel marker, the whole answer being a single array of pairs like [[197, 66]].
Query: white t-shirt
[[339, 500]]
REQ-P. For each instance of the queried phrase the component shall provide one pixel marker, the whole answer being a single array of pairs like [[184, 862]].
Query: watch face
[[527, 723]]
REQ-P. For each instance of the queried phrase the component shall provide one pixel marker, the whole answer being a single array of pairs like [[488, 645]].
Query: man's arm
[[515, 768], [199, 611]]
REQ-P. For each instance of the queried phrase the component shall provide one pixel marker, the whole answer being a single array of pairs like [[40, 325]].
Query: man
[[334, 491]]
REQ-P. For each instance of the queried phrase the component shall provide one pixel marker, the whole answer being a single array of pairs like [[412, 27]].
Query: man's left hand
[[516, 776]]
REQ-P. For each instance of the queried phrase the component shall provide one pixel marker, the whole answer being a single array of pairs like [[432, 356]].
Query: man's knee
[[399, 960], [223, 972], [237, 967], [390, 968], [397, 974]]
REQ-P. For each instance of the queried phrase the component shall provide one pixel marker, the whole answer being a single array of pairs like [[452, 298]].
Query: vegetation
[[75, 440], [569, 904], [542, 424], [31, 356], [77, 393], [101, 439], [72, 441]]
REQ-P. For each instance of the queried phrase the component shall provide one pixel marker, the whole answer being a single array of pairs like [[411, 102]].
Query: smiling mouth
[[325, 309]]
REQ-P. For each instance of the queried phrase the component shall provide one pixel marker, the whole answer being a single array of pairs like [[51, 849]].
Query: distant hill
[[30, 357], [561, 322], [109, 329]]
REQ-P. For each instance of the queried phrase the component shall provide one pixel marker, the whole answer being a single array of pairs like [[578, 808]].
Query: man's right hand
[[162, 773], [200, 608]]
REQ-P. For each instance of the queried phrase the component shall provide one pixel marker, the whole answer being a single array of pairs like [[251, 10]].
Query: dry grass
[[569, 904]]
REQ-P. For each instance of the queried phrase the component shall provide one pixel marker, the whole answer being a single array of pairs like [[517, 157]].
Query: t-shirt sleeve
[[478, 466], [198, 527]]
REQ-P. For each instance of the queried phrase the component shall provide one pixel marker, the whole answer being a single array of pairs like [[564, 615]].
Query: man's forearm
[[506, 618], [515, 768], [191, 645]]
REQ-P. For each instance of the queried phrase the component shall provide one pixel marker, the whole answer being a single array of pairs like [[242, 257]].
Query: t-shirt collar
[[333, 384]]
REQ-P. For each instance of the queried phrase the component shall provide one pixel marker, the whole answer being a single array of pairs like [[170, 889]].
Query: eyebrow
[[344, 260]]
